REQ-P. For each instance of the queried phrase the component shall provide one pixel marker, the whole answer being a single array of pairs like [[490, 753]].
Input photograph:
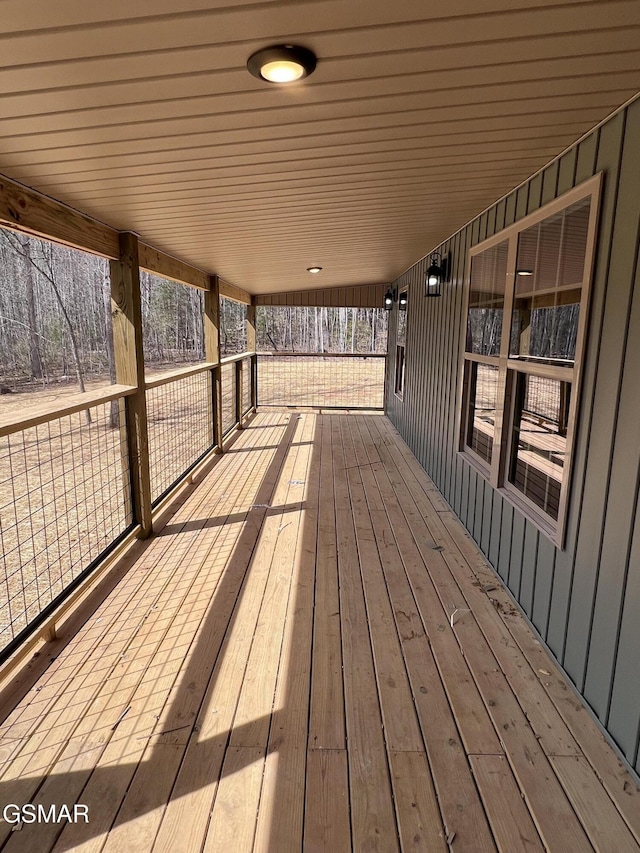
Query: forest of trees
[[288, 329], [55, 319]]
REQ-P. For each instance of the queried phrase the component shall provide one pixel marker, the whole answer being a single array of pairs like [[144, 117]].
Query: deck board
[[278, 671]]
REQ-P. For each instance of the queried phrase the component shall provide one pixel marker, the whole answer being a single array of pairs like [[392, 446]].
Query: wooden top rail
[[229, 359], [326, 354], [72, 403], [180, 373]]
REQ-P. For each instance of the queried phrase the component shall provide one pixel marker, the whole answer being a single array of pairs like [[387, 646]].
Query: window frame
[[509, 367]]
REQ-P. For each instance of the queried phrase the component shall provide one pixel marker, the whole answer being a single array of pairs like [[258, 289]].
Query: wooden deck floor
[[278, 672]]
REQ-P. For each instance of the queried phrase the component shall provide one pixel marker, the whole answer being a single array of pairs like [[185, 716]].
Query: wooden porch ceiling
[[282, 670], [418, 116]]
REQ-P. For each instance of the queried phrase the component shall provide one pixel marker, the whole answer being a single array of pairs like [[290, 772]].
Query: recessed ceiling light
[[282, 63], [314, 270]]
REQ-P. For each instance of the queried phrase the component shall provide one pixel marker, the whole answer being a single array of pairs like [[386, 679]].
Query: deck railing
[[66, 476], [65, 501], [321, 380]]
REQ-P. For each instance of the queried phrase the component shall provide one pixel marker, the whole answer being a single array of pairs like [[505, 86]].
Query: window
[[401, 339], [525, 324]]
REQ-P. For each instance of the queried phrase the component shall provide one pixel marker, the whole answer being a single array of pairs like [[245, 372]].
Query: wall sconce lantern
[[389, 299], [436, 274], [402, 301]]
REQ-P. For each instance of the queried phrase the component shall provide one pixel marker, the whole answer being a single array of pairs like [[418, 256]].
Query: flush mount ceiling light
[[314, 270], [282, 63], [524, 272]]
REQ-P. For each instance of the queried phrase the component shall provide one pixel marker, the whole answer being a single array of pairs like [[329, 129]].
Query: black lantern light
[[436, 274], [402, 301], [388, 300]]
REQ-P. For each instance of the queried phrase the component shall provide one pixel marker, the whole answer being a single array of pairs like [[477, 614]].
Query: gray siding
[[584, 600]]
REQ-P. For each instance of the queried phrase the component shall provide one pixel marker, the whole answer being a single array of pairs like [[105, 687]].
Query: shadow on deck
[[310, 655]]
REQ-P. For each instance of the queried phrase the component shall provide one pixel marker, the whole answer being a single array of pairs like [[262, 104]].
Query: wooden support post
[[239, 380], [127, 344], [251, 347], [212, 353]]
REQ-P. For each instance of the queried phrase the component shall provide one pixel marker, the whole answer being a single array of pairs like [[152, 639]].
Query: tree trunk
[[35, 359]]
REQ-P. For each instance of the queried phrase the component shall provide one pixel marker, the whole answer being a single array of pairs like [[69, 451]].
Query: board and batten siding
[[584, 600]]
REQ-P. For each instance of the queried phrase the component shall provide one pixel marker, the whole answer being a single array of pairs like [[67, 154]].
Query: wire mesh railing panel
[[321, 381], [543, 398], [246, 385], [180, 424], [65, 498], [228, 397]]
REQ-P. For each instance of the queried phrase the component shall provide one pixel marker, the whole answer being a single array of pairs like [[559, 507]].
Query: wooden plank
[[419, 821], [326, 825], [280, 818], [606, 829], [230, 291], [400, 723], [372, 816], [187, 813], [162, 264], [32, 416], [326, 719], [610, 770], [234, 814], [180, 373], [256, 701], [126, 318], [510, 820], [30, 211]]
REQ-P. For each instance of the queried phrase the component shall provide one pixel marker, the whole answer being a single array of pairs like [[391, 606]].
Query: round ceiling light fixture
[[314, 270], [282, 63]]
